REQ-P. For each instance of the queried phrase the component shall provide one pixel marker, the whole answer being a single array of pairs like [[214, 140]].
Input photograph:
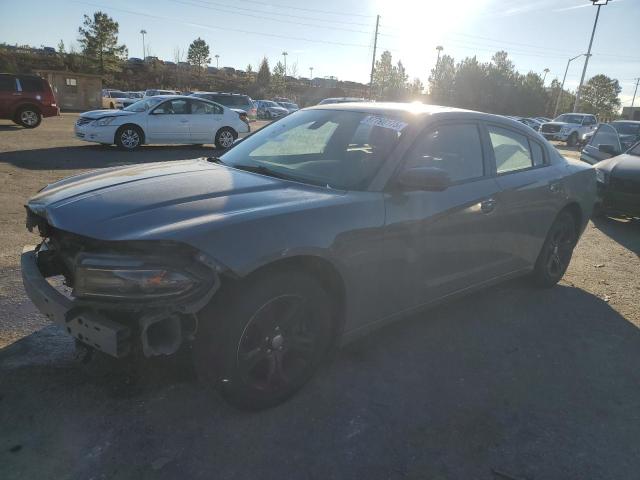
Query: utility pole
[[144, 54], [217, 57], [633, 102], [284, 54], [373, 59], [598, 3], [311, 76], [555, 111], [546, 70]]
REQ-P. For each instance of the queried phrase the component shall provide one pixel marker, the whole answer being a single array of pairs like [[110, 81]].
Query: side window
[[453, 148], [7, 83], [31, 84], [511, 150], [172, 107], [537, 153], [606, 135], [204, 108]]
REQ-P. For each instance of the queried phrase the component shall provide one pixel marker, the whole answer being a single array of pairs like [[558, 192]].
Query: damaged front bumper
[[112, 326]]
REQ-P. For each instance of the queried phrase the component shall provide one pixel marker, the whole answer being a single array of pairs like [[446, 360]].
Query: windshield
[[568, 118], [635, 150], [627, 128], [143, 105], [337, 149], [269, 103], [117, 94]]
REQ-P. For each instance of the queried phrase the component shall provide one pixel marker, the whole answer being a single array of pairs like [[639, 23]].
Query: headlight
[[127, 278], [102, 122], [602, 176]]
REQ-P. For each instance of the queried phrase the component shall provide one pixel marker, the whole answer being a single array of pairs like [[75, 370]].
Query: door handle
[[488, 205]]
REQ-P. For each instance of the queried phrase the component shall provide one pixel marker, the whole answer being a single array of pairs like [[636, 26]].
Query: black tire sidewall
[[540, 273], [219, 132], [222, 324], [573, 139]]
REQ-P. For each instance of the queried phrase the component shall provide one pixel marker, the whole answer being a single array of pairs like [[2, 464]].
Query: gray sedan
[[328, 223]]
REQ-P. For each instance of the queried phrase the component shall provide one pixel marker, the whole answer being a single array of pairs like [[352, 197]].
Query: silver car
[[312, 231]]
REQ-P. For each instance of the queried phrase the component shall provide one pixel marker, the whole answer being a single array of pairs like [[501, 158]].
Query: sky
[[336, 37]]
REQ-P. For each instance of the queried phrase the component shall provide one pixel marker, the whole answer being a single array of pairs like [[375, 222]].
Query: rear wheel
[[555, 256], [225, 137], [128, 137], [261, 345], [28, 117]]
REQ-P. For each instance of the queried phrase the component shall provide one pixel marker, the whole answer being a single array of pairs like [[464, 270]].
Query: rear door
[[531, 191], [169, 122], [205, 121], [8, 95], [605, 135], [443, 242]]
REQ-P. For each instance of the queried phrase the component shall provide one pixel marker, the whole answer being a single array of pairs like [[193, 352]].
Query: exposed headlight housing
[[119, 277], [103, 122], [602, 176]]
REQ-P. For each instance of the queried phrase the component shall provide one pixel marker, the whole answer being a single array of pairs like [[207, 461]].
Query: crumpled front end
[[116, 296]]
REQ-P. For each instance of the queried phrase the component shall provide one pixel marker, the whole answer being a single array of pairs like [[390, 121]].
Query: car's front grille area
[[550, 128], [83, 121], [624, 185]]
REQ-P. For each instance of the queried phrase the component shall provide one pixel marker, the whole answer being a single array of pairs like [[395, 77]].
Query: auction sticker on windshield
[[384, 122]]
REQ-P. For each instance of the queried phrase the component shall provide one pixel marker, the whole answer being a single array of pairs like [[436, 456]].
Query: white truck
[[570, 128]]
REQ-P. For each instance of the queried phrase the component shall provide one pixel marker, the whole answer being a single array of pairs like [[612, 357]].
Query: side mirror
[[424, 178], [606, 148]]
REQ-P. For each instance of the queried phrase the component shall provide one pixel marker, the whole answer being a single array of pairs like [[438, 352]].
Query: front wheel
[[265, 340], [556, 252], [128, 137], [572, 140], [225, 137]]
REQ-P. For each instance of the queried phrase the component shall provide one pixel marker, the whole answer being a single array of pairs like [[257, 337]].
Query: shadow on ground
[[98, 156], [533, 383], [625, 232]]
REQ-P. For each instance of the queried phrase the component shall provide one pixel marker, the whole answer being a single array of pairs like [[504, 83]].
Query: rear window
[[31, 84], [7, 83], [230, 100]]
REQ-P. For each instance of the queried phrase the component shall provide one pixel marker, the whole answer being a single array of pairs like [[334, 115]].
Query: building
[[74, 91], [629, 113]]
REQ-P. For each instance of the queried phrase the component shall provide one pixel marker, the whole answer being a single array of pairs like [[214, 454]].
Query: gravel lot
[[511, 382]]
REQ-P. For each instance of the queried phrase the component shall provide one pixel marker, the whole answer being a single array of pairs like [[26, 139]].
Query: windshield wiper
[[262, 170]]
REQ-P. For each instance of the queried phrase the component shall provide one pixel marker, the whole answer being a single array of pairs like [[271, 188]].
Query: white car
[[163, 119], [155, 93], [570, 127], [116, 99]]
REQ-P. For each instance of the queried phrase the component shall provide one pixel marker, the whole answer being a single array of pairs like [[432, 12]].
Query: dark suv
[[25, 99]]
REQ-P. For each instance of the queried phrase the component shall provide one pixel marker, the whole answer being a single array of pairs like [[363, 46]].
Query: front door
[[605, 135], [169, 122], [445, 241]]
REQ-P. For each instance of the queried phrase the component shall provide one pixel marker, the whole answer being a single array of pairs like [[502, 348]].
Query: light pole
[[555, 111], [144, 55], [311, 76], [546, 70], [439, 48], [217, 57], [284, 54], [598, 3]]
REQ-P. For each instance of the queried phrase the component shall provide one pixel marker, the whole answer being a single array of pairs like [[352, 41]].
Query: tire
[[28, 117], [572, 141], [225, 138], [129, 137], [111, 106], [555, 256], [259, 344]]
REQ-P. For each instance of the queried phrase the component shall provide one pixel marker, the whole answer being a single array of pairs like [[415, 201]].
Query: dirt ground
[[511, 382]]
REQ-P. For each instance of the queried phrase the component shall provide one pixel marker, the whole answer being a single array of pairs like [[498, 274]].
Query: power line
[[314, 10], [261, 16]]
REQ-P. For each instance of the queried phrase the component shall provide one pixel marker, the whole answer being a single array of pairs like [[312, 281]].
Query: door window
[[204, 108], [31, 84], [513, 151], [7, 83], [606, 135], [455, 149], [178, 106]]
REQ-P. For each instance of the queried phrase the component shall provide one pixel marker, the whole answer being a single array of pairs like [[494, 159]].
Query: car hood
[[622, 166], [95, 114], [563, 124], [168, 200], [277, 109]]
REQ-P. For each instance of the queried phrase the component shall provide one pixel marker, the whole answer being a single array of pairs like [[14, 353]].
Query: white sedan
[[163, 119]]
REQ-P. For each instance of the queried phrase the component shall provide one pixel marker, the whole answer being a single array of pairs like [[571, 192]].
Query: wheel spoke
[[251, 359]]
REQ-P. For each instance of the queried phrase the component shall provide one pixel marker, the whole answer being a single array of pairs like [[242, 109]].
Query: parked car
[[531, 122], [25, 99], [569, 127], [135, 95], [610, 139], [327, 101], [289, 106], [162, 119], [231, 100], [306, 234], [542, 119], [117, 99], [155, 93], [269, 110], [619, 184]]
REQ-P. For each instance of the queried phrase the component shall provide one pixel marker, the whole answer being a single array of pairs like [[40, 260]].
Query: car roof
[[388, 107], [635, 122], [222, 93]]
